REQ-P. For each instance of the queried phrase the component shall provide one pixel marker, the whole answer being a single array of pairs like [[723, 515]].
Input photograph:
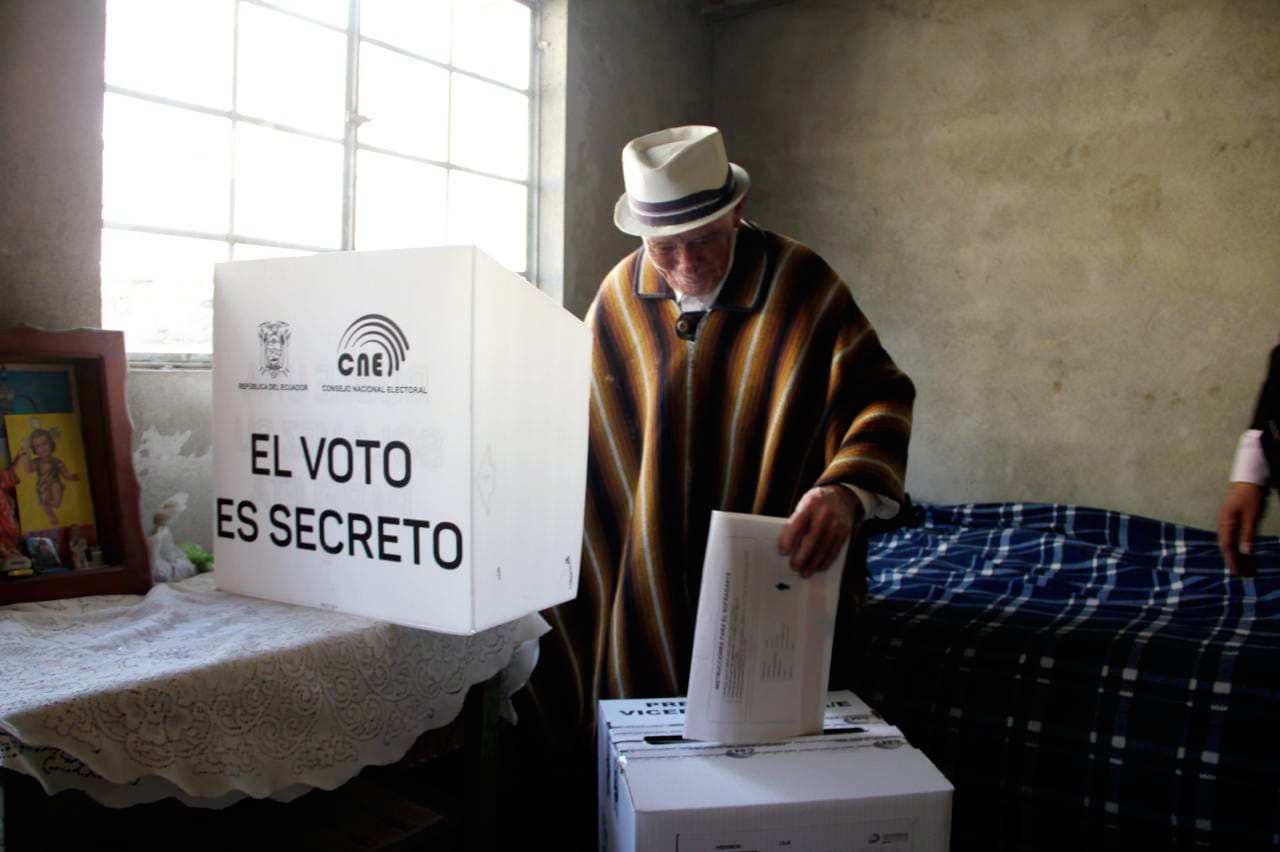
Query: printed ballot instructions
[[762, 642]]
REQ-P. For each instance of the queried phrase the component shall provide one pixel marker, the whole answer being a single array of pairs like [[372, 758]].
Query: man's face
[[694, 262]]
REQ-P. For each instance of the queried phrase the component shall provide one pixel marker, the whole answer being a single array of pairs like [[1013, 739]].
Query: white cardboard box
[[859, 786], [398, 434]]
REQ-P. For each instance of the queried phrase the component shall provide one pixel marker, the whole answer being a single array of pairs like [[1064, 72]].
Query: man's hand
[[1237, 524], [823, 521]]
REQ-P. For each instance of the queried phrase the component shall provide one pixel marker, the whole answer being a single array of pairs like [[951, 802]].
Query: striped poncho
[[783, 386]]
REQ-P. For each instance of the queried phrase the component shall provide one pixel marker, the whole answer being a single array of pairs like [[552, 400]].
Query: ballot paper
[[762, 643]]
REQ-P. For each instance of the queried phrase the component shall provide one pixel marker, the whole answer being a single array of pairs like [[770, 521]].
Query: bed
[[1085, 678]]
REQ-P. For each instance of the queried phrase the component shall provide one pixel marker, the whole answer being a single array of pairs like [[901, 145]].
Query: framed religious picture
[[69, 517]]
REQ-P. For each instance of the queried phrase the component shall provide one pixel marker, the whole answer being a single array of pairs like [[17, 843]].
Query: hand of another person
[[823, 521], [1237, 525]]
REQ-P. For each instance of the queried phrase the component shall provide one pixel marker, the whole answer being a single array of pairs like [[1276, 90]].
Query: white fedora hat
[[677, 180]]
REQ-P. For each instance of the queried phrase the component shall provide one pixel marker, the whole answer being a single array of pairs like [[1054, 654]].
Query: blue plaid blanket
[[1085, 678]]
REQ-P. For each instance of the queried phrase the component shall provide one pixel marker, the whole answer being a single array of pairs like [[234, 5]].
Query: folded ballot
[[762, 643]]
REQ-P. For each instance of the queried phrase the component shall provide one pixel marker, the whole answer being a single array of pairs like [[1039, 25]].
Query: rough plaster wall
[[1061, 217], [632, 68], [173, 447], [50, 162]]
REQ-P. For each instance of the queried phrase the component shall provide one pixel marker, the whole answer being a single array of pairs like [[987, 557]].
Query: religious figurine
[[79, 557], [168, 562]]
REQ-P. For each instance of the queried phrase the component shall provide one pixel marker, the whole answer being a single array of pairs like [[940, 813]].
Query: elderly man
[[732, 371]]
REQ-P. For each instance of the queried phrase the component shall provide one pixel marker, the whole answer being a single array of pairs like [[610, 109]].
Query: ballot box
[[398, 434], [858, 786]]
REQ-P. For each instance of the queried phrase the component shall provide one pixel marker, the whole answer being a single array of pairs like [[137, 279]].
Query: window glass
[[399, 203], [291, 72], [405, 103], [180, 51], [288, 188], [489, 130], [249, 251], [159, 290], [227, 135], [164, 167], [491, 214], [329, 11], [418, 26], [491, 37]]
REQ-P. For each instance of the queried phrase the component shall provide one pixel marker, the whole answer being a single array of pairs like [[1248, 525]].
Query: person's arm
[[871, 401], [1246, 497], [1242, 508], [825, 518], [1267, 412], [1238, 524]]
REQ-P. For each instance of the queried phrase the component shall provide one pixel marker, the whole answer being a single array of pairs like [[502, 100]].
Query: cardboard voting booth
[[398, 434], [858, 786]]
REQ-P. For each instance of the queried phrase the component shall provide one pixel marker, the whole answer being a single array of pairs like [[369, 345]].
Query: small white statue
[[79, 551], [168, 563]]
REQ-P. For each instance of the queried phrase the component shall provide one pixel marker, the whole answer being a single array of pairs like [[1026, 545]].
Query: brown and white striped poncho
[[784, 387]]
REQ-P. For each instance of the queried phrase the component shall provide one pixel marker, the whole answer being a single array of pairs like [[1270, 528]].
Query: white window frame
[[351, 146]]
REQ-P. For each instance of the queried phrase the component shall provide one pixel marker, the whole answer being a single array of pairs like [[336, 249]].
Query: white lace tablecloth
[[210, 697]]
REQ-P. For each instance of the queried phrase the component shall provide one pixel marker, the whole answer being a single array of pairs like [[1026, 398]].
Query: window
[[236, 129]]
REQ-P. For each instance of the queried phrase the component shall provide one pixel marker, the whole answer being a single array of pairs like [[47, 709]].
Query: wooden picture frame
[[68, 386]]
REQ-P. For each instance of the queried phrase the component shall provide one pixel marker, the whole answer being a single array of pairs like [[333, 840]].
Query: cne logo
[[372, 346]]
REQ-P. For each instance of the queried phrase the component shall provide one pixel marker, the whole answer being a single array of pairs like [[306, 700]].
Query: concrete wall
[[173, 446], [1061, 217], [50, 162], [632, 68]]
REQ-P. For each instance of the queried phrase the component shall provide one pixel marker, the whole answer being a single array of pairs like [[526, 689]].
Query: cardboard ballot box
[[398, 434], [859, 786]]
